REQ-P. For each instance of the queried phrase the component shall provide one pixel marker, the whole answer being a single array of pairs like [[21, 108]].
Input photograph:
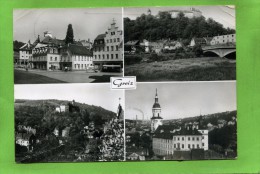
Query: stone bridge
[[220, 50]]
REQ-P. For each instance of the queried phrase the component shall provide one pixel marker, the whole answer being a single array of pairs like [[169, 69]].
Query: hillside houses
[[151, 46], [164, 45]]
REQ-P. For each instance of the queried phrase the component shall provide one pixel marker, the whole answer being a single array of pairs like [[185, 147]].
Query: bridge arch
[[221, 52]]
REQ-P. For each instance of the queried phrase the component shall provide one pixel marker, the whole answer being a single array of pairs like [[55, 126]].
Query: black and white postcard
[[125, 84]]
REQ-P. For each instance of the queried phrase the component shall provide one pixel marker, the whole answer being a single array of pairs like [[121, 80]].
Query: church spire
[[156, 96]]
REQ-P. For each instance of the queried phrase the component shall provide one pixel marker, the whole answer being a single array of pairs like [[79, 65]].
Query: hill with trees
[[163, 26], [41, 114]]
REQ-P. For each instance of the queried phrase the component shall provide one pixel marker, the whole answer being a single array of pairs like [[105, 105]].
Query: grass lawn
[[24, 77], [192, 69]]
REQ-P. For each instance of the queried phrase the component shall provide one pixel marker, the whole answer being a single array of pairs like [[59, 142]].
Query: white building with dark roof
[[169, 138], [75, 57], [25, 53]]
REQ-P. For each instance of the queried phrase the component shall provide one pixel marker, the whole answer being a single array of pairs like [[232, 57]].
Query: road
[[62, 77]]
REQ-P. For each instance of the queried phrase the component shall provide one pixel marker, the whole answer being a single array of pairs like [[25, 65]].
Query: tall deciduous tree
[[69, 36]]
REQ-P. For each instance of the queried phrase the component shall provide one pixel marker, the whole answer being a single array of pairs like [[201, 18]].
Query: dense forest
[[163, 26]]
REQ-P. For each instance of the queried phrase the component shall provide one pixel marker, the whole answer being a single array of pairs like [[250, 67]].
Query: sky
[[182, 99], [92, 94], [222, 14], [86, 22]]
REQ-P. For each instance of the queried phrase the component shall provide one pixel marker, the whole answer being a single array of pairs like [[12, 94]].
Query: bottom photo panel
[[155, 121], [68, 123], [181, 121]]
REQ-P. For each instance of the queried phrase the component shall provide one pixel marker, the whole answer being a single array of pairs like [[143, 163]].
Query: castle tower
[[149, 12], [156, 120]]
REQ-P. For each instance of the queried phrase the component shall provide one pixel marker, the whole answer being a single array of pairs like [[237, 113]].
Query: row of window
[[54, 50], [81, 66], [103, 56], [41, 50], [189, 138], [25, 52], [108, 48], [26, 56], [224, 41], [53, 59], [109, 41], [82, 58], [181, 146], [225, 35]]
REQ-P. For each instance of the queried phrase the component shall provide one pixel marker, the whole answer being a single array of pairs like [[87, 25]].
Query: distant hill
[[210, 118], [204, 119]]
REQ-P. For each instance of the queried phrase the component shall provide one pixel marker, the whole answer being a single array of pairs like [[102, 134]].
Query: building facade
[[108, 51], [223, 39], [168, 138], [25, 53], [45, 57], [75, 57]]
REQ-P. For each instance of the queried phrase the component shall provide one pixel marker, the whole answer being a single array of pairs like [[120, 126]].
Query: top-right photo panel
[[195, 43]]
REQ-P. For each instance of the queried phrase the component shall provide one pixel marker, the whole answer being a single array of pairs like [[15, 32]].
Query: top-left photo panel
[[67, 45]]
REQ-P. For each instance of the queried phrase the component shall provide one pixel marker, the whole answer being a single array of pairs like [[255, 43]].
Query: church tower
[[156, 120]]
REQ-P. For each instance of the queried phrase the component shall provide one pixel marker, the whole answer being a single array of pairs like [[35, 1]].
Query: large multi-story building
[[223, 39], [108, 51], [169, 138], [53, 54]]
